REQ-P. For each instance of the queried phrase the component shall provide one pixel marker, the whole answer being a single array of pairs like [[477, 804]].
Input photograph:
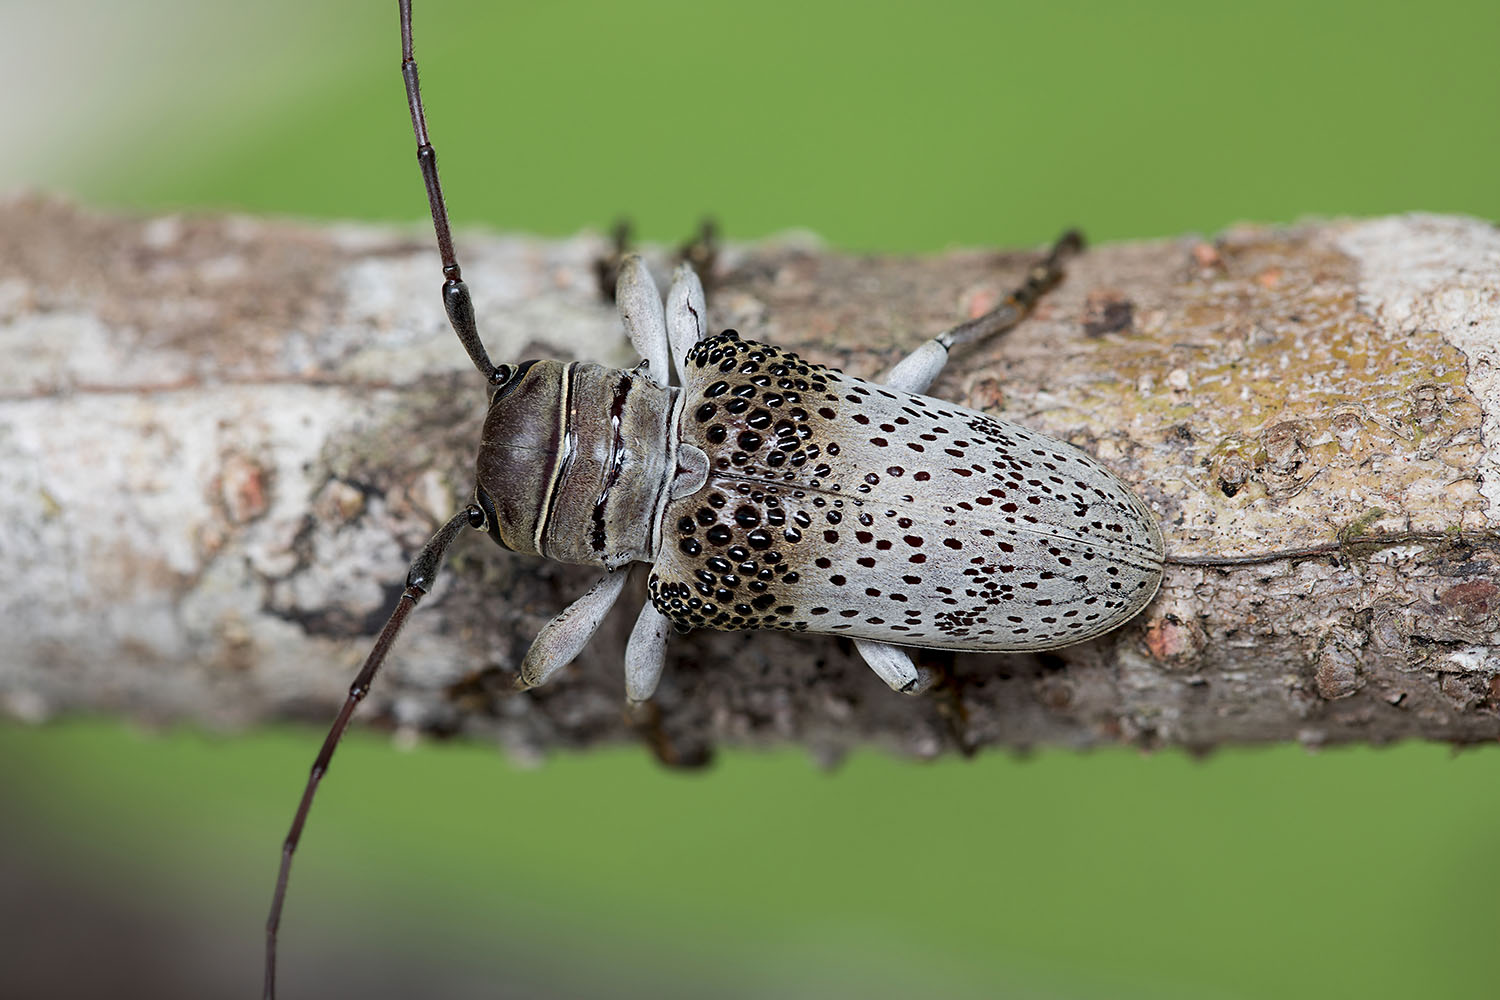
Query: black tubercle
[[600, 536]]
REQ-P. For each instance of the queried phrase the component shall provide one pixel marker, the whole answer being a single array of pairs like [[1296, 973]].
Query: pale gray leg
[[687, 316], [915, 372], [563, 638], [895, 667], [641, 312], [646, 653]]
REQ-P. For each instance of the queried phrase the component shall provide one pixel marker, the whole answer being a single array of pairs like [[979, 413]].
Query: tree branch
[[223, 439]]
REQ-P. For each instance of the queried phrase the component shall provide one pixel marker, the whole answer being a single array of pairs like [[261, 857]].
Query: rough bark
[[222, 439]]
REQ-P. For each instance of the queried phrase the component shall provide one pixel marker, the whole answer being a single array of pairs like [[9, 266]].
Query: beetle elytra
[[766, 492]]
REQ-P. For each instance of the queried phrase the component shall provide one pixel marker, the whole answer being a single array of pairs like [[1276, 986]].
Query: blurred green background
[[139, 864]]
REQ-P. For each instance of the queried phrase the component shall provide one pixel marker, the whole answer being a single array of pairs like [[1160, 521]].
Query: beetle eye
[[486, 508], [502, 375]]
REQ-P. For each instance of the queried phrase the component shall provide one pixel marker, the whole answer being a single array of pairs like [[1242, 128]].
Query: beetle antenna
[[419, 580], [456, 298]]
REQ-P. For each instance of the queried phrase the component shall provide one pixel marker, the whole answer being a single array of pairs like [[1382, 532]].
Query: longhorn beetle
[[766, 492]]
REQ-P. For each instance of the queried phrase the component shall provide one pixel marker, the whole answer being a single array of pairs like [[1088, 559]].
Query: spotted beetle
[[764, 491]]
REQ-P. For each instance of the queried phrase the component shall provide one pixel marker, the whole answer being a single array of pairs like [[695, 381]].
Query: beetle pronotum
[[766, 492]]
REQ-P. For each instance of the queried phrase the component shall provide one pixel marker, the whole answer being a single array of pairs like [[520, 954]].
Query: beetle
[[764, 491]]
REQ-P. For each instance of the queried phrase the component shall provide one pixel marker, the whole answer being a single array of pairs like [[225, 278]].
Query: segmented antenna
[[419, 580], [425, 566], [456, 300]]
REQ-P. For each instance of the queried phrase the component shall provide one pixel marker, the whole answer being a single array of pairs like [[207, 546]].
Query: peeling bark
[[223, 439]]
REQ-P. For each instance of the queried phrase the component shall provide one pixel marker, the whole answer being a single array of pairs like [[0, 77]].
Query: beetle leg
[[702, 251], [895, 667], [915, 372], [646, 653], [641, 312], [607, 264], [687, 315], [563, 638]]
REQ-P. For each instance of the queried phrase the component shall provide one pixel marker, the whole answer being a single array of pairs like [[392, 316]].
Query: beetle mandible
[[767, 492]]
